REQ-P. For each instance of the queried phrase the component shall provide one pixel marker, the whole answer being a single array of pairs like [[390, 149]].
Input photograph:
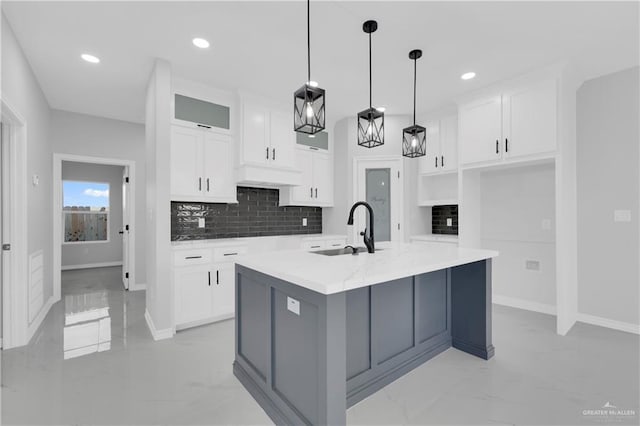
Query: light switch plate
[[293, 305], [201, 222], [304, 221], [622, 215], [449, 221], [533, 265]]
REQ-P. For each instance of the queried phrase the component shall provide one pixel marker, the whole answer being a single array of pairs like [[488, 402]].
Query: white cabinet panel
[[282, 140], [322, 178], [186, 161], [218, 168], [428, 162], [223, 294], [255, 145], [192, 291], [481, 130], [304, 193], [530, 116], [448, 143]]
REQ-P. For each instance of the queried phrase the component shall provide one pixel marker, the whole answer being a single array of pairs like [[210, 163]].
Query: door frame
[[58, 158], [393, 162], [15, 323]]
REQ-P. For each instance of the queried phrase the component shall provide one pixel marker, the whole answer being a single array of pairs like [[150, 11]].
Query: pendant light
[[371, 120], [414, 138], [308, 101]]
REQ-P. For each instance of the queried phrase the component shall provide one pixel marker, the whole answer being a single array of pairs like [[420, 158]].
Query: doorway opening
[[378, 181], [94, 209]]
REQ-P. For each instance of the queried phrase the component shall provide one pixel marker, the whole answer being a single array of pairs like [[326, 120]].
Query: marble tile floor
[[536, 376]]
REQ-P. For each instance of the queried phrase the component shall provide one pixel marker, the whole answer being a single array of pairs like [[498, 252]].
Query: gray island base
[[306, 357]]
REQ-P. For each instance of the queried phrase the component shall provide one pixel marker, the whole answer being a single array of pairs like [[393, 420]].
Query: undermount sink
[[338, 252]]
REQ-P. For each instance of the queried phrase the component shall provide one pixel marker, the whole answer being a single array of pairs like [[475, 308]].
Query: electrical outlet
[[622, 215], [533, 265], [201, 222], [304, 221], [449, 221], [293, 305]]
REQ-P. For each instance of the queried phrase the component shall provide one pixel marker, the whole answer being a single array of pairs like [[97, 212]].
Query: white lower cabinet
[[315, 244], [204, 285]]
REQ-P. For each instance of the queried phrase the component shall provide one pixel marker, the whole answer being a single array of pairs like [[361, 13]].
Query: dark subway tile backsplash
[[257, 214], [439, 215]]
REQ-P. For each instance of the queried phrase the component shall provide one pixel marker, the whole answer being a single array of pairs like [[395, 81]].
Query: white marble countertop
[[226, 242], [334, 274], [434, 237]]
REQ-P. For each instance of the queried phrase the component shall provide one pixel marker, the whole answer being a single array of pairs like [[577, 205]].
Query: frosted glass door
[[379, 197]]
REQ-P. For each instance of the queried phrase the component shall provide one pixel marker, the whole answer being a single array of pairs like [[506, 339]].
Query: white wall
[[515, 203], [416, 220], [607, 163], [91, 136], [21, 91], [159, 295], [78, 254]]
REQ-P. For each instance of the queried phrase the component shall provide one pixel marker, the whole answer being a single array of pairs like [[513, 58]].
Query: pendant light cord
[[415, 66], [370, 78], [308, 43]]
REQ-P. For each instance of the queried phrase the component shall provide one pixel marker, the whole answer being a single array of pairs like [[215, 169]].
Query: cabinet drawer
[[313, 245], [191, 257], [228, 254], [337, 243]]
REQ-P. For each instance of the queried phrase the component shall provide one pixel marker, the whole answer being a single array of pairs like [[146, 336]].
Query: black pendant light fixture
[[414, 138], [308, 101], [371, 120]]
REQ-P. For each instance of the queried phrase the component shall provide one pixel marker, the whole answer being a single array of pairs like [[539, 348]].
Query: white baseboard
[[33, 327], [609, 323], [524, 304], [90, 265], [166, 333], [137, 286]]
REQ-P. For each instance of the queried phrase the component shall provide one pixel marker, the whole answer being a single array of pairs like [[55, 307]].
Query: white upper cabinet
[[267, 147], [442, 146], [201, 166], [520, 123], [316, 188], [529, 120], [481, 130]]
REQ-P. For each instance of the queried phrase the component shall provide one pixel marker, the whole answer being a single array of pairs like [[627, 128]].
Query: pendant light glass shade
[[309, 100], [414, 138], [371, 120]]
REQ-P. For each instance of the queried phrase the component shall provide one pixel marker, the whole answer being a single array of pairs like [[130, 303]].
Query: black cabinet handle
[[202, 125], [217, 277], [315, 246], [199, 184], [230, 254], [506, 145], [316, 192], [497, 147], [193, 257], [436, 162], [273, 154], [207, 184], [442, 161], [267, 153], [311, 193], [209, 272]]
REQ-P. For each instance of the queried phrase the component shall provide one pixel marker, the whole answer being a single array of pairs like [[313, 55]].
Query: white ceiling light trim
[[201, 43], [90, 58], [468, 75]]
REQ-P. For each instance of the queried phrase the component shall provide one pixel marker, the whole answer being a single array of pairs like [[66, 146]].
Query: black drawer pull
[[217, 277], [230, 254], [497, 147], [193, 257], [202, 125], [315, 246]]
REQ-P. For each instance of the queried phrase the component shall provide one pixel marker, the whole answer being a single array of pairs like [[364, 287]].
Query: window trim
[[66, 212]]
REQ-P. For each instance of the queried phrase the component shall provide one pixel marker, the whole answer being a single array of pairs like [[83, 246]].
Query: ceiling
[[261, 47]]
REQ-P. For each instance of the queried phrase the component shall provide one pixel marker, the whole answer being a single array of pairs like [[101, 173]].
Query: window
[[85, 211]]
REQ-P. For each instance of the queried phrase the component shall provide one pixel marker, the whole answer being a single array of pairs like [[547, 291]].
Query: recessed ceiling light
[[468, 75], [201, 43], [90, 58], [381, 109]]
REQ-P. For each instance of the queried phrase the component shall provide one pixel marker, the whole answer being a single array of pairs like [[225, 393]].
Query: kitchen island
[[317, 333]]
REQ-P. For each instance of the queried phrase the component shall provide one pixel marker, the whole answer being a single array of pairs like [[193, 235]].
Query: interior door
[[126, 194], [3, 219]]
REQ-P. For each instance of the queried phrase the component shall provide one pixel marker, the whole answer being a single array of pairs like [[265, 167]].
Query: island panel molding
[[308, 365], [256, 214]]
